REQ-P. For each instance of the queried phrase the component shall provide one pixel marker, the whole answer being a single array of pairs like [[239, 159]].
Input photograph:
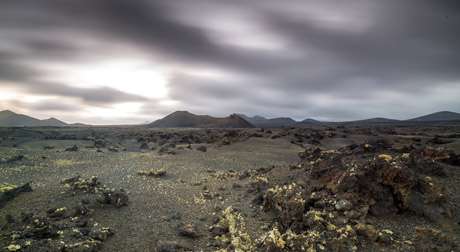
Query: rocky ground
[[336, 188]]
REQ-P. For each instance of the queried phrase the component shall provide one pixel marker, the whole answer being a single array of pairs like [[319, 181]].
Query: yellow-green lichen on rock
[[7, 187], [14, 247], [237, 234], [274, 240], [385, 157], [153, 173]]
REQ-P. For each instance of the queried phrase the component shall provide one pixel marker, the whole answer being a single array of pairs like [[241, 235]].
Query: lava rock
[[144, 146], [100, 143], [74, 148], [117, 198], [172, 246], [188, 230], [202, 148], [343, 204], [9, 192], [153, 173]]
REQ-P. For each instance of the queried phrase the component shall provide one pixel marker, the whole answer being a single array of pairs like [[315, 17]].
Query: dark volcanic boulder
[[382, 182], [8, 191], [202, 148], [100, 143], [117, 198], [144, 146], [428, 239], [172, 246], [12, 159], [72, 149]]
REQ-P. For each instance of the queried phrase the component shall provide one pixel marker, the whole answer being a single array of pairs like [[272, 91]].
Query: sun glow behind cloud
[[130, 76], [7, 94], [134, 76], [116, 110]]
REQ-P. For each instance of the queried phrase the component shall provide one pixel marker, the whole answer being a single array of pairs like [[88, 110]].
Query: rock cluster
[[9, 191], [202, 148], [66, 228], [381, 180], [72, 149], [105, 195], [231, 234], [343, 195], [12, 159], [157, 173], [59, 229]]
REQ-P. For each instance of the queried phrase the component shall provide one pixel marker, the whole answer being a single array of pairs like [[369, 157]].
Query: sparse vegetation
[[7, 187], [153, 173], [303, 190]]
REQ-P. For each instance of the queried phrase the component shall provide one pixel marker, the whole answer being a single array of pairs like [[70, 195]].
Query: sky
[[134, 61]]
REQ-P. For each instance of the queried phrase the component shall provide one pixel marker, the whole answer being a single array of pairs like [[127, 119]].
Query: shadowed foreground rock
[[339, 192], [13, 159], [66, 228], [9, 191], [110, 196]]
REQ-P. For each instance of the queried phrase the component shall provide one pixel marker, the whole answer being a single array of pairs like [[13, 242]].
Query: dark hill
[[441, 116], [262, 122], [53, 122], [11, 119], [309, 120], [185, 119], [375, 120]]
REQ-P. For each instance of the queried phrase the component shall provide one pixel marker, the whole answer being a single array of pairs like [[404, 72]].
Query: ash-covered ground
[[339, 188]]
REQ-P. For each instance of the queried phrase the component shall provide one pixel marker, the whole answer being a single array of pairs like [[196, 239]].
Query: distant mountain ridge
[[375, 120], [53, 122], [185, 119], [438, 117], [262, 122], [11, 119], [309, 121], [442, 116], [180, 119]]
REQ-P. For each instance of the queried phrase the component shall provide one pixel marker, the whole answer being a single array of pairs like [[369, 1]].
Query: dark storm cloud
[[144, 23], [418, 48], [148, 25], [331, 59], [11, 70], [409, 47]]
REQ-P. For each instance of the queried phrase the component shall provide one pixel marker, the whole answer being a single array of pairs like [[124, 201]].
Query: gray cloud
[[329, 59], [52, 106], [99, 96], [25, 77], [11, 70], [47, 106]]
